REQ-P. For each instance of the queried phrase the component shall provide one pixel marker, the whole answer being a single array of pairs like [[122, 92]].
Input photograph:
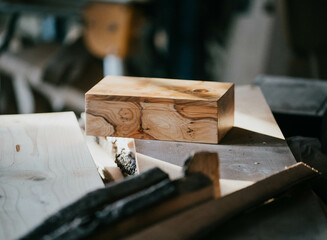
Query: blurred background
[[53, 51]]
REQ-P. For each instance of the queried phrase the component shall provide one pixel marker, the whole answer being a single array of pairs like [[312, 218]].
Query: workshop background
[[52, 52]]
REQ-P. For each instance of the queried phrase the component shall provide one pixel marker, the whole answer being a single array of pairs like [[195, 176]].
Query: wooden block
[[208, 164], [44, 166], [161, 109]]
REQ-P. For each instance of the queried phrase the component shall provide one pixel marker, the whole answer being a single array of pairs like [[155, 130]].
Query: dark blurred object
[[308, 150], [298, 215], [9, 32], [173, 44], [304, 23], [109, 28], [59, 73], [7, 100], [175, 41], [299, 105], [56, 7], [68, 64], [190, 24]]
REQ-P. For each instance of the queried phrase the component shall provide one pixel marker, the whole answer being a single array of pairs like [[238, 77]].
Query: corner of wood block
[[226, 108], [97, 125]]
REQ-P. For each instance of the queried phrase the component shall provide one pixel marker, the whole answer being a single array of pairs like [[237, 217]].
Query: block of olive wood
[[162, 109]]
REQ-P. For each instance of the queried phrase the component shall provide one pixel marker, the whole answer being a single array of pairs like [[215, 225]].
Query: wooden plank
[[254, 149], [186, 225], [44, 165], [61, 224], [164, 109], [208, 164]]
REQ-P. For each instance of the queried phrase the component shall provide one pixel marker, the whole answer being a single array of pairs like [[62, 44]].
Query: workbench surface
[[35, 148], [254, 149]]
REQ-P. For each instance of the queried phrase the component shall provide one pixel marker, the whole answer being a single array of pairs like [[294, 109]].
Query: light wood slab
[[162, 109], [44, 165]]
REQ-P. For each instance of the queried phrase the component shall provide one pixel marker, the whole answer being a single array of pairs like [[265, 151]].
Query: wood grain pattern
[[164, 109], [44, 165]]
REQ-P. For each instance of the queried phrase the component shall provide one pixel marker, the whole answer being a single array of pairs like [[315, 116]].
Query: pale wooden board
[[163, 109], [254, 149], [44, 165]]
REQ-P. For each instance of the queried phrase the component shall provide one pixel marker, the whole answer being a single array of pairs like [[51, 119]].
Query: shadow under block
[[161, 109]]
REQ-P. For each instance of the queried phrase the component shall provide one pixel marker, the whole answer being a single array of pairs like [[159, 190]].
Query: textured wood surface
[[252, 150], [44, 165], [164, 109]]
